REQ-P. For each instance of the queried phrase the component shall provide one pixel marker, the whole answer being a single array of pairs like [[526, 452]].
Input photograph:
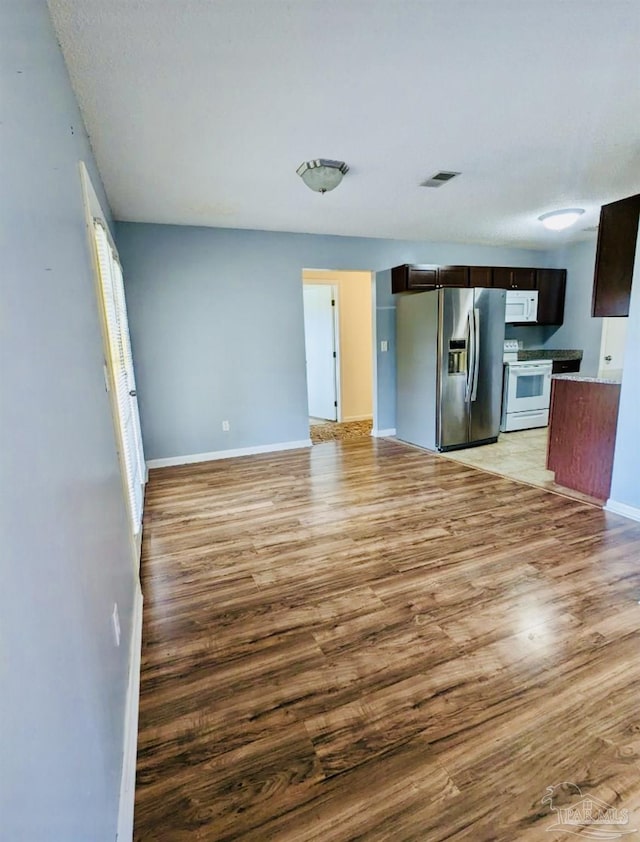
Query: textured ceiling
[[200, 111]]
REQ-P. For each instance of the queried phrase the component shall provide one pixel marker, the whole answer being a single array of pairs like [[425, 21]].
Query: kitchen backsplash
[[531, 336]]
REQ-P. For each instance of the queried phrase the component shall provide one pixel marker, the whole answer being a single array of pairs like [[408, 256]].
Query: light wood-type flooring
[[363, 641]]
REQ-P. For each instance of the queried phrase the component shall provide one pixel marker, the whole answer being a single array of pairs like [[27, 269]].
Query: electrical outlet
[[225, 427], [115, 620], [384, 346]]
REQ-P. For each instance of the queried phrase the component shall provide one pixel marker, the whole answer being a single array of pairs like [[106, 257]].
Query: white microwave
[[521, 306]]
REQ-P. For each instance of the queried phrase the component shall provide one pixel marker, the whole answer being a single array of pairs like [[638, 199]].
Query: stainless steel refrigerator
[[449, 367]]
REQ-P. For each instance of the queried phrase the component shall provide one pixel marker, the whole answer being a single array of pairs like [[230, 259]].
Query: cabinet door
[[422, 277], [407, 278], [453, 276], [615, 257], [480, 276], [565, 366], [507, 277], [551, 285]]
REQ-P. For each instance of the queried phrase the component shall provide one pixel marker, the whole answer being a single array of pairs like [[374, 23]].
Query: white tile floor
[[520, 455]]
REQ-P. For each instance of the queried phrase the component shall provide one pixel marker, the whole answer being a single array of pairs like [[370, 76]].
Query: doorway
[[339, 375], [614, 335]]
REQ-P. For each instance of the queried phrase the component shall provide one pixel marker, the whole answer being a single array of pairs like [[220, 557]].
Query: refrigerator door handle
[[476, 353], [471, 358]]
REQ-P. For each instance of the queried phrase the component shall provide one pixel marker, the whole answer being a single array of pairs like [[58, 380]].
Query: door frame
[[335, 292], [93, 210], [374, 341]]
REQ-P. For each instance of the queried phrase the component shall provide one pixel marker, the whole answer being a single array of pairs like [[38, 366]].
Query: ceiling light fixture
[[322, 175], [561, 219]]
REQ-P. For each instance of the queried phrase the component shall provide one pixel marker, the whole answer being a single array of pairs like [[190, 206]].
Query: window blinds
[[121, 363]]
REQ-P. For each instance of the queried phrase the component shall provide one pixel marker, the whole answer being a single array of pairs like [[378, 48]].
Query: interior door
[[320, 348], [614, 335]]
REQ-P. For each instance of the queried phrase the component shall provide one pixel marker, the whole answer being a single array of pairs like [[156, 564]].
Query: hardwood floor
[[362, 641]]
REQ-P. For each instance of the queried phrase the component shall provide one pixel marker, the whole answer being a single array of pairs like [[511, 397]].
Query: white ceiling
[[200, 111]]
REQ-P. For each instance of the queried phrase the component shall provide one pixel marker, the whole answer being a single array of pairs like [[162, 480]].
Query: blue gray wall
[[625, 482], [579, 330], [65, 555], [217, 328]]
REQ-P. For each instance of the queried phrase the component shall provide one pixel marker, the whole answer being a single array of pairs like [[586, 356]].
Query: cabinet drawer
[[566, 366]]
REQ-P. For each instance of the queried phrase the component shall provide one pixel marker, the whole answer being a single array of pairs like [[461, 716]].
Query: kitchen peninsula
[[582, 432]]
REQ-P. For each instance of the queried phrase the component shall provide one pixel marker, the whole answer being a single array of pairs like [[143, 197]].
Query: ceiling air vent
[[439, 178]]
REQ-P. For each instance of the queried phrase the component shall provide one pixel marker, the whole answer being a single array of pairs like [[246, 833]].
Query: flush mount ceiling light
[[561, 219], [322, 175]]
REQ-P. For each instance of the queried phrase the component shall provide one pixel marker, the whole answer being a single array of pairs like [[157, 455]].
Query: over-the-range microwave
[[522, 305]]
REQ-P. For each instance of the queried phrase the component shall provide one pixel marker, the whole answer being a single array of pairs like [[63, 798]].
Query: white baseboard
[[357, 418], [227, 454], [384, 433], [623, 509], [128, 778]]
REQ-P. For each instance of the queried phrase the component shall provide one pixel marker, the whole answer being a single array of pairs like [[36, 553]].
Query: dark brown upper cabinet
[[508, 277], [551, 285], [408, 278], [480, 276], [453, 276], [615, 256]]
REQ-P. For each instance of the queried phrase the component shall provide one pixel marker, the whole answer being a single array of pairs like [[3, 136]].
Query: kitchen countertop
[[548, 354], [581, 378]]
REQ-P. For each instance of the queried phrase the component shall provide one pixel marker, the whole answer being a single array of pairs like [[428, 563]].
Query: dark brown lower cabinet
[[582, 434], [565, 367]]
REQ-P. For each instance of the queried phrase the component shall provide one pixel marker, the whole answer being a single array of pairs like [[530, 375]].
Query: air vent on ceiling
[[439, 178]]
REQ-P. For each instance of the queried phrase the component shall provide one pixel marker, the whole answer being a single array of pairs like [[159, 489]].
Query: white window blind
[[121, 362]]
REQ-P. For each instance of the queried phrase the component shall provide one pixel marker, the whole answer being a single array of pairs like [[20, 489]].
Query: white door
[[614, 334], [320, 347]]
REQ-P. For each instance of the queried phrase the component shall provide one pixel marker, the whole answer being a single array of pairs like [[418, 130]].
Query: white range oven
[[526, 395]]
